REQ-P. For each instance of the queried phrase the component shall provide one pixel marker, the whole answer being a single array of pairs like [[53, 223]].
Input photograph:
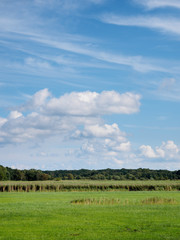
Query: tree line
[[7, 173]]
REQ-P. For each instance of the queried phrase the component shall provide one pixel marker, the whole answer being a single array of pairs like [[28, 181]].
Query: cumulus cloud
[[147, 151], [15, 114], [168, 150], [107, 152], [80, 121], [92, 103], [78, 116], [39, 98], [43, 116], [73, 117], [88, 148], [2, 121], [105, 143], [124, 147], [101, 131]]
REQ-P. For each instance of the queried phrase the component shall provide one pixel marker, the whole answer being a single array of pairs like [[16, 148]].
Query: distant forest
[[7, 173]]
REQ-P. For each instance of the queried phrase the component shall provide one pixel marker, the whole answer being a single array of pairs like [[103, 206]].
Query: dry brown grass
[[159, 200]]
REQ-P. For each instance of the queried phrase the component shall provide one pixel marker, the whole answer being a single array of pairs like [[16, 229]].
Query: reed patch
[[100, 201], [159, 200], [88, 185]]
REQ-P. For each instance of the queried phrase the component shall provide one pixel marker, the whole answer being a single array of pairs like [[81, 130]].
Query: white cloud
[[40, 97], [104, 131], [124, 147], [2, 121], [88, 148], [101, 152], [92, 103], [151, 4], [168, 151], [147, 151], [15, 114], [44, 116], [37, 101], [39, 64], [101, 144], [75, 117], [164, 24], [119, 162], [104, 143]]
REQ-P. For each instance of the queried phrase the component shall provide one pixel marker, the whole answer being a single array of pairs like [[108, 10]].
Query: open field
[[89, 185], [90, 215]]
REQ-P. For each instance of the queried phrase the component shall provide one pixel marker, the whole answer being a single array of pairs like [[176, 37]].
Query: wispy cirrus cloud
[[68, 5], [166, 89], [26, 28], [138, 63], [163, 24], [152, 4]]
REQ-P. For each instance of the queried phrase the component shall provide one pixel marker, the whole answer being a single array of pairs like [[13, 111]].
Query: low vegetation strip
[[117, 201], [54, 186], [100, 201], [159, 200]]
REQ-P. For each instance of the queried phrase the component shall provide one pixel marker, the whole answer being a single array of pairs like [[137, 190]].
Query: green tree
[[4, 174], [18, 175], [70, 176]]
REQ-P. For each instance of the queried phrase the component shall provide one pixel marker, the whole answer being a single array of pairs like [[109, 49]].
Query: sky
[[90, 84]]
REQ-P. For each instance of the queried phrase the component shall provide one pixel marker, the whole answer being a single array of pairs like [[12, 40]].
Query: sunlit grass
[[97, 215]]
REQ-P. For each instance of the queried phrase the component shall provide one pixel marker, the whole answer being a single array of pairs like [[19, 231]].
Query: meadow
[[90, 215]]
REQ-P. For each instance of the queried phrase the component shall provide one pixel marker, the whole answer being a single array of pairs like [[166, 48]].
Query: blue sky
[[90, 84]]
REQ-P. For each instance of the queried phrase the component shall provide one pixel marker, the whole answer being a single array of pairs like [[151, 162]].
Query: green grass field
[[90, 215]]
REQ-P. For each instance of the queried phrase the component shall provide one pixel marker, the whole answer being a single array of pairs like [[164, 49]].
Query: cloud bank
[[77, 117], [44, 115]]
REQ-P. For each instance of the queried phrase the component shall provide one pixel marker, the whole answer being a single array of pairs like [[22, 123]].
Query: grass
[[54, 215]]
